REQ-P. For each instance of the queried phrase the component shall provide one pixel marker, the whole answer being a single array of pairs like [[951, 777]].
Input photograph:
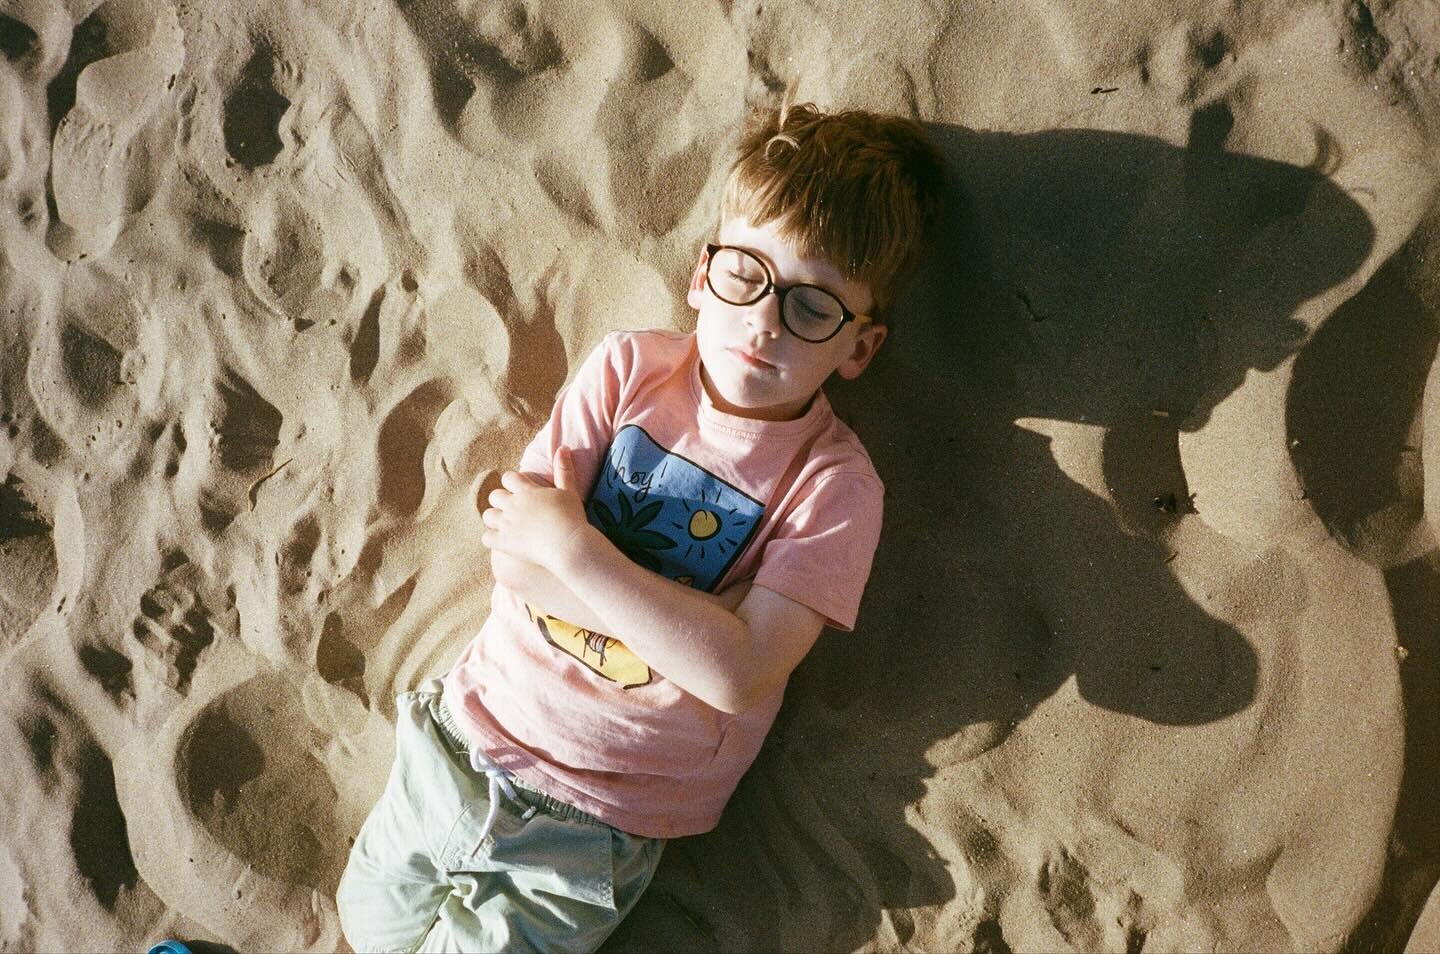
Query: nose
[[763, 317]]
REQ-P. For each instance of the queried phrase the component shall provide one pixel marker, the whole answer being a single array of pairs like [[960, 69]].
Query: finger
[[489, 538], [564, 467], [498, 497], [513, 480], [491, 518]]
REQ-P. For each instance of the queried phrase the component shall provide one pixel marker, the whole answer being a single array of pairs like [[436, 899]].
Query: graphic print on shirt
[[667, 514]]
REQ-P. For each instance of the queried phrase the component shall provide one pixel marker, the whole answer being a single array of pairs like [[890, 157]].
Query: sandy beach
[[1150, 656]]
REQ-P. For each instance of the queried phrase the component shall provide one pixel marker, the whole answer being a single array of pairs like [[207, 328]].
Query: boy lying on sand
[[673, 542]]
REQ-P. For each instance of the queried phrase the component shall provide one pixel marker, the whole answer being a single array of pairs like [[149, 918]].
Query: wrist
[[575, 551]]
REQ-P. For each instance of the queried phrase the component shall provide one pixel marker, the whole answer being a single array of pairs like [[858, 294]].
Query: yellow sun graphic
[[704, 525]]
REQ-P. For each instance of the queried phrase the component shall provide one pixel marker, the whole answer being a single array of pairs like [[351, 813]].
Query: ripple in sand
[[27, 561], [499, 50], [122, 65], [16, 933], [255, 784], [661, 145]]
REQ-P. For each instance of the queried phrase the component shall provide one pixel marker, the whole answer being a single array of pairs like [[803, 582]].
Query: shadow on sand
[[1083, 277]]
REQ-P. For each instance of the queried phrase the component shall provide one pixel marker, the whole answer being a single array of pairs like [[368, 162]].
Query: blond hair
[[857, 188]]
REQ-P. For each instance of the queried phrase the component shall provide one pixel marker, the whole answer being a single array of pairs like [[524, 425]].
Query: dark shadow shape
[[365, 349], [1413, 867], [534, 373], [18, 516], [89, 44], [253, 111], [98, 833], [1356, 390], [404, 436], [16, 39], [249, 428], [1070, 283], [210, 947]]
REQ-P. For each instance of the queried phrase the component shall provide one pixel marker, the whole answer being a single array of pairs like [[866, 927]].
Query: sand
[[1150, 653]]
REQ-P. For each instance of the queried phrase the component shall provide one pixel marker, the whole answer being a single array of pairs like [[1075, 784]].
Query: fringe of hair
[[860, 189]]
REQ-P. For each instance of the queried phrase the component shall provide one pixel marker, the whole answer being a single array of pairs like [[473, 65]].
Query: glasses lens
[[736, 276], [812, 313]]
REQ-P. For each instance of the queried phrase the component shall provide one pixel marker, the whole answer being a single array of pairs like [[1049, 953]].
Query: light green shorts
[[547, 877]]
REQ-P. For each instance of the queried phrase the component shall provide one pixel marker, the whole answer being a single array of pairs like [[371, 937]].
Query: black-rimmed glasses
[[808, 312]]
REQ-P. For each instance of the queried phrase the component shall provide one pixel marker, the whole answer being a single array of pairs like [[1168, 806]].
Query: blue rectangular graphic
[[667, 513]]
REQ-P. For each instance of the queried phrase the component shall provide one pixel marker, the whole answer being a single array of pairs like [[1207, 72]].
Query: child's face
[[750, 364]]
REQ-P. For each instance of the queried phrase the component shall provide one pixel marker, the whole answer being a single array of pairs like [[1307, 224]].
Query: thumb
[[564, 469]]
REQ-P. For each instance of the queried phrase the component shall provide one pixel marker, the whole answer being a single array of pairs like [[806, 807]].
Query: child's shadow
[[1082, 278]]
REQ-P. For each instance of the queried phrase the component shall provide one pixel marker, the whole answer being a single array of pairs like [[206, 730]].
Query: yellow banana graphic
[[603, 654]]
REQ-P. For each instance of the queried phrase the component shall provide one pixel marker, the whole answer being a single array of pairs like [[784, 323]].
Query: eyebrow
[[765, 259]]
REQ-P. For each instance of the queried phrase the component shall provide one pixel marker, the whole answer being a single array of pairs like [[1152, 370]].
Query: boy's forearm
[[694, 639], [544, 591]]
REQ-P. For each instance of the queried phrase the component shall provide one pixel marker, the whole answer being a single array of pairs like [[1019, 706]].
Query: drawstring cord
[[499, 783]]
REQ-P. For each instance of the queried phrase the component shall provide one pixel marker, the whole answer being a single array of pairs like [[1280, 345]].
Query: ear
[[867, 342], [695, 296]]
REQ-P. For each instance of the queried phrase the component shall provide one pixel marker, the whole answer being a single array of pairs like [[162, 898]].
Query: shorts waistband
[[452, 733]]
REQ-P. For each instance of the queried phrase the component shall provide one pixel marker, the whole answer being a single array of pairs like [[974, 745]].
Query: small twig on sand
[[255, 487]]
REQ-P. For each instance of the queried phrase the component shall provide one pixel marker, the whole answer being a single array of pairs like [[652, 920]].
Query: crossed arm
[[730, 649]]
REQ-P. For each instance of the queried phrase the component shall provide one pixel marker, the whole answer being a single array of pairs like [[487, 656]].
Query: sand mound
[[1149, 658]]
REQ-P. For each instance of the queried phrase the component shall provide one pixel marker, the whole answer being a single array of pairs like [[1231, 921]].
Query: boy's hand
[[533, 522]]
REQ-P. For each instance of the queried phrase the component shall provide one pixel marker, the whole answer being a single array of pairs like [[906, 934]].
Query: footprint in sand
[[173, 626], [60, 772], [663, 142], [283, 257], [253, 110], [1090, 915], [83, 362], [251, 776], [504, 68], [124, 59], [234, 819]]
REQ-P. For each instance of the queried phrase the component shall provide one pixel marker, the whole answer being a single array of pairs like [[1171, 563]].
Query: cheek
[[708, 323]]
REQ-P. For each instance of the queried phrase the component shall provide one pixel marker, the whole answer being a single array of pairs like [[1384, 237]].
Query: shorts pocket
[[570, 859]]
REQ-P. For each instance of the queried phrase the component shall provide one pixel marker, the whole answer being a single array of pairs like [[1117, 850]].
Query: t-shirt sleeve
[[583, 418], [821, 552]]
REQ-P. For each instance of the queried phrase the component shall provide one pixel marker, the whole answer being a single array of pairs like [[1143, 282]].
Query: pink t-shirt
[[700, 496]]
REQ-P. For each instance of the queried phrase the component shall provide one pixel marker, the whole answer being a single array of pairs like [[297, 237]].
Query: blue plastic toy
[[171, 947]]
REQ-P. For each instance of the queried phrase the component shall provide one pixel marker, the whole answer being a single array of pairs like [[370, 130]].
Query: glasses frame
[[780, 291]]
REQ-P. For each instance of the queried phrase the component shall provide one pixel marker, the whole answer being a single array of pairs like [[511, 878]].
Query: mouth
[[752, 360]]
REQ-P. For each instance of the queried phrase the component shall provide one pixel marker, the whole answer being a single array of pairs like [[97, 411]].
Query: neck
[[778, 412]]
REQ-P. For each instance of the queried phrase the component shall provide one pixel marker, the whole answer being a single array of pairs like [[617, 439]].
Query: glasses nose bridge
[[766, 309]]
